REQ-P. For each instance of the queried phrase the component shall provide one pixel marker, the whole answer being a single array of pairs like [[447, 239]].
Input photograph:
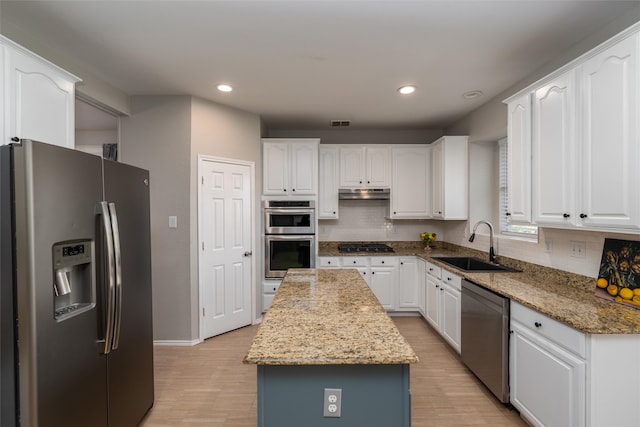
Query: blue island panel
[[372, 395]]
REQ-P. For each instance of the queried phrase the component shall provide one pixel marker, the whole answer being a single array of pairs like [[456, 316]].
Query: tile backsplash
[[367, 220]]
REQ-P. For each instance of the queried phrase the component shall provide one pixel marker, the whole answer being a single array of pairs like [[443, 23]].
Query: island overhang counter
[[327, 330]]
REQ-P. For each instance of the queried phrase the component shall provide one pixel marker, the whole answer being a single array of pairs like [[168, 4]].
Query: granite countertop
[[566, 297], [327, 317]]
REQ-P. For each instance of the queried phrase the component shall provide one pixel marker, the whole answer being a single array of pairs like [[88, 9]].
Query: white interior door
[[225, 246]]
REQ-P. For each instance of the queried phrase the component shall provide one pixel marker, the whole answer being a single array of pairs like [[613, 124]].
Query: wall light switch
[[173, 221]]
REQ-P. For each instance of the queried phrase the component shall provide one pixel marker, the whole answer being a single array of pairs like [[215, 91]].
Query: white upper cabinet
[[449, 178], [610, 146], [328, 182], [290, 166], [365, 166], [554, 157], [38, 98], [585, 148], [410, 186], [519, 159]]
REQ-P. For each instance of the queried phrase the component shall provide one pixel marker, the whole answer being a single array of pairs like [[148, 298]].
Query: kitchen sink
[[474, 264]]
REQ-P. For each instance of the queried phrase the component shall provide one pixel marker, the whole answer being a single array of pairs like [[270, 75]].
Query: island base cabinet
[[372, 395]]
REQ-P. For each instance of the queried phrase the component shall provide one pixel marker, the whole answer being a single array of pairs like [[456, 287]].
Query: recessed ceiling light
[[472, 94], [406, 89], [224, 88]]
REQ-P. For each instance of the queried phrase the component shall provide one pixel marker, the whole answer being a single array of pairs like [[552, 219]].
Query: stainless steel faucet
[[492, 254]]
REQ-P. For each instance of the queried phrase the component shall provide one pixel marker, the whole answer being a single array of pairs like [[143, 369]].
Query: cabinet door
[[433, 302], [275, 168], [382, 283], [409, 293], [610, 141], [352, 166], [421, 282], [450, 315], [437, 183], [41, 100], [519, 159], [410, 193], [547, 383], [328, 183], [378, 167], [553, 145], [303, 167]]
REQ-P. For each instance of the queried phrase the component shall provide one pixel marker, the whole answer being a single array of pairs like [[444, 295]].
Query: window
[[505, 226]]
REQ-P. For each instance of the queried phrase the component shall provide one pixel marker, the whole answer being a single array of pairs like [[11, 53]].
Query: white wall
[[156, 137], [165, 134], [361, 136]]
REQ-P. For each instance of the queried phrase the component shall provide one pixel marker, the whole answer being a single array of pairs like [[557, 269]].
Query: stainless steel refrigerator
[[75, 294]]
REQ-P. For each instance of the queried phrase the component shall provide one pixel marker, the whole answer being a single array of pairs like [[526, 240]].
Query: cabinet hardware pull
[[293, 189], [538, 324], [15, 139], [508, 214], [566, 215], [583, 216]]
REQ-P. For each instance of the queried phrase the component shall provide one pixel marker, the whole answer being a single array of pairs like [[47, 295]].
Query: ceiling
[[300, 64]]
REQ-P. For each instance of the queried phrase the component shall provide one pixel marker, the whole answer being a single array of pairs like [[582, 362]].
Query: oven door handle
[[289, 211]]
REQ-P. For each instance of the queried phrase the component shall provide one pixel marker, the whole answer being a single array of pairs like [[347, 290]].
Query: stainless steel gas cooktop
[[364, 247]]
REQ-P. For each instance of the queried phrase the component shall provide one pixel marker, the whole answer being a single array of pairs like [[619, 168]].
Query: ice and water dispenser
[[73, 278]]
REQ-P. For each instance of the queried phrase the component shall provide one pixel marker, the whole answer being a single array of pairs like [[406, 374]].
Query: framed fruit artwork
[[619, 273]]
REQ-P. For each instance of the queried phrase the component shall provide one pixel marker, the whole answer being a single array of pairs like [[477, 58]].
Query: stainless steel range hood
[[364, 194]]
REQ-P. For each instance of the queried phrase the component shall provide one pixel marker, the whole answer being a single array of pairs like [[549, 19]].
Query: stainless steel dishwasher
[[485, 337]]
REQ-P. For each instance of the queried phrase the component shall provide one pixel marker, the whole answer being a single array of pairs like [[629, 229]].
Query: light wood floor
[[207, 385]]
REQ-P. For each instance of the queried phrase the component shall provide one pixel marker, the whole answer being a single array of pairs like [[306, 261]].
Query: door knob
[[248, 253]]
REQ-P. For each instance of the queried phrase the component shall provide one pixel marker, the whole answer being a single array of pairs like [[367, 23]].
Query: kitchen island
[[326, 330]]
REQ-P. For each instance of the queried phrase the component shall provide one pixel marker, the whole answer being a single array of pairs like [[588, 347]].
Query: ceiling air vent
[[340, 123]]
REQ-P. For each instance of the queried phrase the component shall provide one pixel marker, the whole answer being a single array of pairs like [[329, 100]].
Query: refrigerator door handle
[[118, 288], [103, 209]]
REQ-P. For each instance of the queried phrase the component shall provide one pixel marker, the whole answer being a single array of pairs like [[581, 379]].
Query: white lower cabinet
[[383, 280], [443, 303], [450, 309], [559, 376], [421, 283], [408, 286], [547, 381], [269, 289], [397, 282]]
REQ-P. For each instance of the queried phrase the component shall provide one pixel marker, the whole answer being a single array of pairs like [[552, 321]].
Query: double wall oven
[[289, 236]]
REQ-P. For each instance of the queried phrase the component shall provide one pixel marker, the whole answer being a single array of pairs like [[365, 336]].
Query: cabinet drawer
[[451, 279], [270, 286], [354, 261], [329, 261], [383, 261], [434, 270], [561, 334]]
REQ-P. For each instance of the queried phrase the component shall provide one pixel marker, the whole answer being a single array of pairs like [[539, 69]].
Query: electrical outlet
[[548, 245], [332, 402], [578, 249]]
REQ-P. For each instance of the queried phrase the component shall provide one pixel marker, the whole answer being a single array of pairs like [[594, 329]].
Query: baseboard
[[403, 314], [177, 343]]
